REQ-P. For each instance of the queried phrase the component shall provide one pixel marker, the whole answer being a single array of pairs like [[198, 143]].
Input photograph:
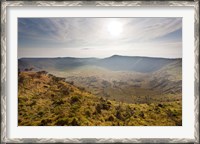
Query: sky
[[99, 37]]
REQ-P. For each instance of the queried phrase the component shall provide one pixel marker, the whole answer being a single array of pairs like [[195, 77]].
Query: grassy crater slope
[[46, 100]]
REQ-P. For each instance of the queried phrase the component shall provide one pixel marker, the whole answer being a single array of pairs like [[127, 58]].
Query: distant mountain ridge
[[115, 63]]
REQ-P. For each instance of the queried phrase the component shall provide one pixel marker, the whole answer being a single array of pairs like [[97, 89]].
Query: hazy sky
[[99, 37]]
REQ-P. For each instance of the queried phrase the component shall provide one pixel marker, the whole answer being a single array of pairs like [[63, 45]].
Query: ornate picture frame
[[48, 4]]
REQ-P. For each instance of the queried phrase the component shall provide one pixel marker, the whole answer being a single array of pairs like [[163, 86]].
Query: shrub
[[105, 106], [65, 91], [42, 72], [56, 79], [58, 102], [118, 107], [75, 122], [98, 108], [160, 105], [71, 90], [87, 113], [179, 123], [62, 122], [33, 103], [102, 99], [141, 114], [75, 107], [74, 99], [40, 113], [50, 75], [19, 121], [108, 102], [157, 109], [20, 79], [45, 122], [172, 113], [111, 118], [45, 86], [119, 115]]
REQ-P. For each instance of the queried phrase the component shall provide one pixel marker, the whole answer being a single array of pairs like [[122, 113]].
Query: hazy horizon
[[99, 37], [101, 57]]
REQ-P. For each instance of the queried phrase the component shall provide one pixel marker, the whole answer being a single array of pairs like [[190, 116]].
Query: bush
[[42, 72], [45, 86], [50, 75], [20, 79], [57, 79], [98, 108], [19, 121], [108, 102], [179, 123], [141, 114], [105, 106], [74, 99], [62, 122], [58, 102], [111, 118], [119, 115], [75, 107], [40, 113], [65, 91], [87, 113], [33, 103], [160, 105], [75, 122], [102, 99], [45, 122]]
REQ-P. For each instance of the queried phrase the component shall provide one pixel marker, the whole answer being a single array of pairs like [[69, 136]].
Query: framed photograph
[[100, 71]]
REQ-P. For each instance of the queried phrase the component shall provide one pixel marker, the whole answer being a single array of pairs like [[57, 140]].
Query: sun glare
[[114, 28]]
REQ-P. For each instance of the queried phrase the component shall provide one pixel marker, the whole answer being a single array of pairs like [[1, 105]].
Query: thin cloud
[[91, 33]]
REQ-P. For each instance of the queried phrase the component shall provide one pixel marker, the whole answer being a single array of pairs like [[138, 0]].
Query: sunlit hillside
[[47, 100], [129, 79]]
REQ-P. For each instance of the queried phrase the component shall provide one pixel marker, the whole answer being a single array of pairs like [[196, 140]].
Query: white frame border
[[4, 138]]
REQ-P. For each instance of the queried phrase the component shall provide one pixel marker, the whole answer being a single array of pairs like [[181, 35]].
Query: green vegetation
[[47, 100]]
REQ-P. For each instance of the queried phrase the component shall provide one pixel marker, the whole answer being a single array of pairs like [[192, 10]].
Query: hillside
[[135, 63], [121, 78], [47, 100], [168, 79]]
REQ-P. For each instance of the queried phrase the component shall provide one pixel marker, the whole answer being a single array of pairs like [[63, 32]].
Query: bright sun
[[114, 28]]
